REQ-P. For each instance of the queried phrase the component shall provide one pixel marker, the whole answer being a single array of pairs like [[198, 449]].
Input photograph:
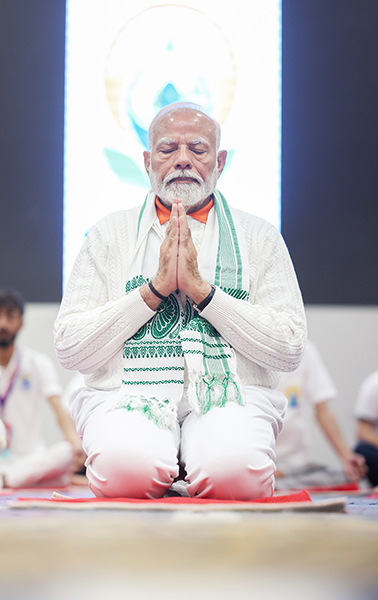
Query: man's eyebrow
[[199, 141], [170, 141], [167, 141]]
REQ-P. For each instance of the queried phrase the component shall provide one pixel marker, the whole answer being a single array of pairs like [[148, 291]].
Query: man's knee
[[131, 466], [237, 476]]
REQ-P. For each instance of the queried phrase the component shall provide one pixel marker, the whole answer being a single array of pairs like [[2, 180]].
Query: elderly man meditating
[[181, 313]]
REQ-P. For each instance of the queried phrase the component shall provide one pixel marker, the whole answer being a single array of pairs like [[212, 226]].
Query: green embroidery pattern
[[206, 343], [229, 266], [202, 326], [215, 357], [235, 293], [166, 319], [161, 381], [150, 349], [134, 283], [149, 369]]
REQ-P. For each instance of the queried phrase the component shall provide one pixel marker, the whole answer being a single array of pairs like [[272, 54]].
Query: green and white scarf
[[176, 337]]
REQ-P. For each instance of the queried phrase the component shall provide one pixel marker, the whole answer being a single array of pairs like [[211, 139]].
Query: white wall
[[347, 338], [37, 333]]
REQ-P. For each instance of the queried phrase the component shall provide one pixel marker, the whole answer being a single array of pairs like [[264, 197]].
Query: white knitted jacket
[[268, 332]]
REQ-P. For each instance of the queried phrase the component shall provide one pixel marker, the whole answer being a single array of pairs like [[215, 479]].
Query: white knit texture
[[268, 332]]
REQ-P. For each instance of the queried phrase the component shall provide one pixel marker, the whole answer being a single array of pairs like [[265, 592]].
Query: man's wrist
[[201, 305], [155, 291], [152, 301]]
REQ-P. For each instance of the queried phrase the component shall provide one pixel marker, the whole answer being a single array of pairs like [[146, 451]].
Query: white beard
[[191, 194]]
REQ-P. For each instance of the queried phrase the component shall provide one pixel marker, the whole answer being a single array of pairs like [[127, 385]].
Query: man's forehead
[[189, 123]]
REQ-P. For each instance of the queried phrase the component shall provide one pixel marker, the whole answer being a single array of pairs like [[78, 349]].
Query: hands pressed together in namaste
[[178, 266]]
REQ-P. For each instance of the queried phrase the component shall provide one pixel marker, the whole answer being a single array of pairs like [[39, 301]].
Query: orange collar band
[[164, 213]]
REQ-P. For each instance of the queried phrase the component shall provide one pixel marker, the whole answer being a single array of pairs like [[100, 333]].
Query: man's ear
[[221, 161], [147, 160]]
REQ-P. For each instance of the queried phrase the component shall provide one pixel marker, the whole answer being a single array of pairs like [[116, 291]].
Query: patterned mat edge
[[328, 505]]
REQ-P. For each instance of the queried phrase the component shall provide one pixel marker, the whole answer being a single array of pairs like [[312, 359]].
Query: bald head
[[182, 107]]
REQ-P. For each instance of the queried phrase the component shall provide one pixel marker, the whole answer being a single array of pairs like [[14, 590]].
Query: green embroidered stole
[[177, 336]]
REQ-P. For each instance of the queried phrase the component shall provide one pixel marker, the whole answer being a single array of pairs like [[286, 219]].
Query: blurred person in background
[[309, 391], [27, 378], [366, 413]]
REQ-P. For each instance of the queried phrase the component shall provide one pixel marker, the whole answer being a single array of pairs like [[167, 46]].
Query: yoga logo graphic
[[146, 72]]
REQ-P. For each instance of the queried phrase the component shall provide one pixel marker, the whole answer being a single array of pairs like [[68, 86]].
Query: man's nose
[[183, 159]]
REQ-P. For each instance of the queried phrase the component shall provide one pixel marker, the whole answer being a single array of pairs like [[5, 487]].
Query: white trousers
[[44, 465], [227, 453], [3, 436]]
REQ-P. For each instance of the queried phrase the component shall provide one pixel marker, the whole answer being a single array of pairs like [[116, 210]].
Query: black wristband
[[206, 300], [156, 292]]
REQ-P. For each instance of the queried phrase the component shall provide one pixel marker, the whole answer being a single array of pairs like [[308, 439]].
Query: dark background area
[[329, 147], [31, 147]]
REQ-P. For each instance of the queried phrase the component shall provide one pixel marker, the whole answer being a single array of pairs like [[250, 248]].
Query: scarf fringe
[[161, 412], [207, 391]]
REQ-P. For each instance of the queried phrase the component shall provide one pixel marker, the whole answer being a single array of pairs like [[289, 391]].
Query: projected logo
[[165, 54]]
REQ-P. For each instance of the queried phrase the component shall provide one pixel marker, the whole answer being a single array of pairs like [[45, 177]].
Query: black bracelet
[[206, 301], [156, 292]]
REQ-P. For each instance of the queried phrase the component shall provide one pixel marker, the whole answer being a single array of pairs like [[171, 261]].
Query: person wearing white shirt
[[28, 378], [310, 391], [366, 413]]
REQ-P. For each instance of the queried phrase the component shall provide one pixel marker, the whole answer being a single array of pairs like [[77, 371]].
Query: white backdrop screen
[[125, 60]]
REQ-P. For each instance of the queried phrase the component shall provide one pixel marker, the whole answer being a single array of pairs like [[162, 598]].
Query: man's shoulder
[[128, 214], [116, 224], [256, 228], [252, 220]]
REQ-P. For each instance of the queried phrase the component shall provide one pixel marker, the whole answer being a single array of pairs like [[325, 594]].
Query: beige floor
[[112, 555]]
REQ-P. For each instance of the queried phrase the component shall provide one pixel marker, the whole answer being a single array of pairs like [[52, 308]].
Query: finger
[[183, 221], [175, 212], [172, 229], [180, 207]]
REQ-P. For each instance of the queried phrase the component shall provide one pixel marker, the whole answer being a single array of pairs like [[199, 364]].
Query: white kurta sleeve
[[96, 316], [270, 328]]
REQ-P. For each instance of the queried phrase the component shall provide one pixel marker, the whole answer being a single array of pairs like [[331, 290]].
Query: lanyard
[[12, 380]]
